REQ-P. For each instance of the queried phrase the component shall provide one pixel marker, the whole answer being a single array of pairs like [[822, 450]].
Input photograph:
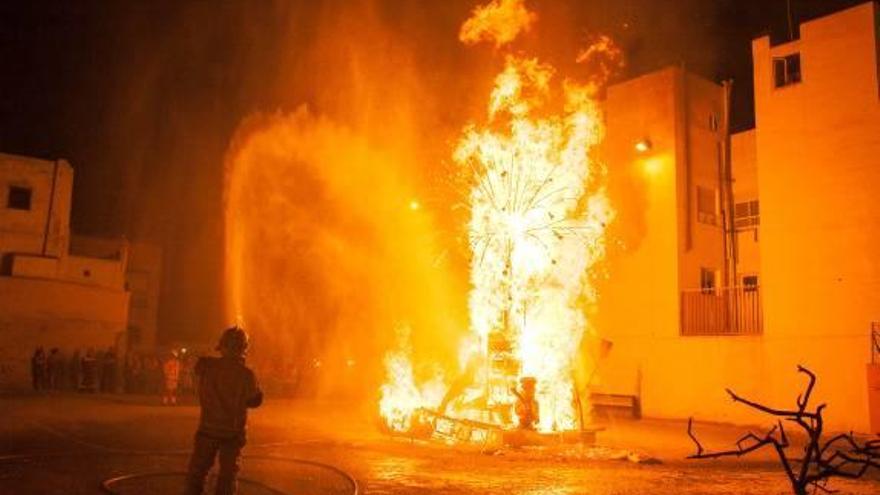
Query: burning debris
[[538, 213], [401, 397]]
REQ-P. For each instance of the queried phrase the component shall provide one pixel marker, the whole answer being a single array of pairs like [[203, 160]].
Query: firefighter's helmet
[[234, 341]]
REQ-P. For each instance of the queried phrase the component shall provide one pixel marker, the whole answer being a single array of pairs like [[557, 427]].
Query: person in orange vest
[[227, 388], [171, 372]]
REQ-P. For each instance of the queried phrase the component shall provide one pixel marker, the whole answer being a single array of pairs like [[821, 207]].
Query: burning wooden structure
[[536, 232]]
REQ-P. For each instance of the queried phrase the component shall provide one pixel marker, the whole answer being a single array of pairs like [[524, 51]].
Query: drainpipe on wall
[[725, 177], [684, 128], [728, 224], [51, 209]]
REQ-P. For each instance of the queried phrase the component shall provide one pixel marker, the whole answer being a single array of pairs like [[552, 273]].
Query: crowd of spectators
[[165, 374], [169, 374]]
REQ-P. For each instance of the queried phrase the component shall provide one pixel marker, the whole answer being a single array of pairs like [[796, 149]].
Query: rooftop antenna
[[790, 21]]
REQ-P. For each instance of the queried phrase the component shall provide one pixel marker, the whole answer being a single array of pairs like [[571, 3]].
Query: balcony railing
[[726, 311]]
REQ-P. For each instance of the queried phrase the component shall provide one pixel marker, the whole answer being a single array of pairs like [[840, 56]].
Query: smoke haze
[[145, 98]]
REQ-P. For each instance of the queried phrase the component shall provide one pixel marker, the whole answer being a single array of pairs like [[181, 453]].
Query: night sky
[[143, 97]]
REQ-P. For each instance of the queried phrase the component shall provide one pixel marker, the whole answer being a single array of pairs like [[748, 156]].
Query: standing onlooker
[[152, 375], [62, 370], [137, 374], [74, 370], [128, 372], [100, 355], [186, 375], [89, 372], [171, 372], [38, 369], [108, 373], [53, 367]]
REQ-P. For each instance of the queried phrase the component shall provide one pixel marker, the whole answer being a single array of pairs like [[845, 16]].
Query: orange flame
[[499, 22], [400, 396], [538, 216], [536, 233]]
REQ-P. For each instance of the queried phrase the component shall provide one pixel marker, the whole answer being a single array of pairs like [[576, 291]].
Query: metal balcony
[[721, 311]]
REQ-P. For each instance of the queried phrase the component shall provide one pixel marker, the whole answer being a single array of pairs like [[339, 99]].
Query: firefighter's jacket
[[227, 388]]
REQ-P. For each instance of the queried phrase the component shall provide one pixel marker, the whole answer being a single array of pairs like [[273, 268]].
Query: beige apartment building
[[143, 279], [56, 290], [734, 260]]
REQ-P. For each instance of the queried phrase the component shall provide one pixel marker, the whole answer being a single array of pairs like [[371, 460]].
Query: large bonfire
[[538, 212]]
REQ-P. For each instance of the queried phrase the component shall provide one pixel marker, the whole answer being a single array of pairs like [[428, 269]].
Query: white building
[[55, 290], [802, 283]]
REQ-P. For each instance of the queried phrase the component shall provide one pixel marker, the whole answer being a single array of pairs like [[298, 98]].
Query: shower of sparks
[[538, 213]]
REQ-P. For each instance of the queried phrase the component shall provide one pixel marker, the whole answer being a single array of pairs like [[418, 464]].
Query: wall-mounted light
[[415, 205], [643, 145]]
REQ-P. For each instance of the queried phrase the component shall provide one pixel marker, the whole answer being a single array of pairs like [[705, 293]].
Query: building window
[[746, 215], [707, 280], [19, 198], [750, 283], [707, 206], [6, 264], [787, 70]]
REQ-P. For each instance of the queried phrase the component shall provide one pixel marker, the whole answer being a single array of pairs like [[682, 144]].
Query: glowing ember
[[537, 230]]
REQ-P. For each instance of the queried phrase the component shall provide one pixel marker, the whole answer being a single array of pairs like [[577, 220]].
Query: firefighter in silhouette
[[226, 389]]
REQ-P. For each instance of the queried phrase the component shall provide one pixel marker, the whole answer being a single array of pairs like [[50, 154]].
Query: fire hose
[[108, 485]]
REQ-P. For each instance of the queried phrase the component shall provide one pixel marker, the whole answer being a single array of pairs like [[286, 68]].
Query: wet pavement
[[70, 444]]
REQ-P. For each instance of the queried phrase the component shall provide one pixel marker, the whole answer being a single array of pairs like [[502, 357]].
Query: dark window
[[787, 70], [707, 280], [750, 283], [778, 72], [707, 206], [746, 215], [19, 198], [5, 264]]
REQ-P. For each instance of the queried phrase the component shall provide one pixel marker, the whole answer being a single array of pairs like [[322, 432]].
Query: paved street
[[72, 443]]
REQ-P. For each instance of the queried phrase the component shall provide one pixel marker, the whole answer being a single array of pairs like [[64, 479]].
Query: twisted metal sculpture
[[841, 456]]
